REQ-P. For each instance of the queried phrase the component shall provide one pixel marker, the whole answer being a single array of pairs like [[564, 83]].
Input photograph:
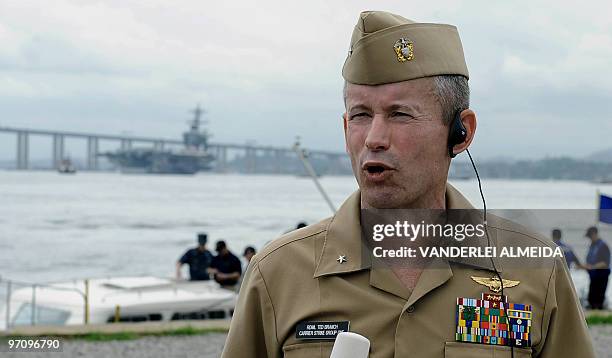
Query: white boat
[[123, 299]]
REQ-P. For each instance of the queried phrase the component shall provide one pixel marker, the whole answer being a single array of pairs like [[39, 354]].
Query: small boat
[[120, 299], [66, 167]]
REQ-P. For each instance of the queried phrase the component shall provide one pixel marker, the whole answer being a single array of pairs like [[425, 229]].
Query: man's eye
[[360, 116], [400, 114]]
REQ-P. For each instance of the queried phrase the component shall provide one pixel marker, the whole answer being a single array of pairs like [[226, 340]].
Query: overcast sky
[[266, 71]]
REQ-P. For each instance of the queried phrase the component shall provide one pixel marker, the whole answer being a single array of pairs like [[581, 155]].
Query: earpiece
[[457, 133]]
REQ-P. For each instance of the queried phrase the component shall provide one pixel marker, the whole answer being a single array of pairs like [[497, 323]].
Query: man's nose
[[379, 134]]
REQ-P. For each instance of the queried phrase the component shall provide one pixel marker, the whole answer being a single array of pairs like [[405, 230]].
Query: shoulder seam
[[552, 273], [290, 242], [271, 303], [522, 233]]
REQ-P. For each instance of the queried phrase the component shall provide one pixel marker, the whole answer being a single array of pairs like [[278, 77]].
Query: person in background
[[227, 268], [598, 267], [299, 225], [568, 253], [249, 252], [199, 260]]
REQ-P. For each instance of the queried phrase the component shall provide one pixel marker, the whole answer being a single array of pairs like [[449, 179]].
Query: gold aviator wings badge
[[494, 284]]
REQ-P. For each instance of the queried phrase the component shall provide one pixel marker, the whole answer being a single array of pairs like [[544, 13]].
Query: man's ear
[[468, 118], [344, 126]]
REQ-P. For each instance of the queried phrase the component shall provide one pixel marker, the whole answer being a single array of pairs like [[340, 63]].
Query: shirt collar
[[343, 238]]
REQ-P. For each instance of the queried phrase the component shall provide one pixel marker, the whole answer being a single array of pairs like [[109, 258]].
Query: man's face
[[221, 250], [397, 143]]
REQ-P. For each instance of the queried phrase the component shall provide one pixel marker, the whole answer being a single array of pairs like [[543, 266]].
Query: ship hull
[[158, 162]]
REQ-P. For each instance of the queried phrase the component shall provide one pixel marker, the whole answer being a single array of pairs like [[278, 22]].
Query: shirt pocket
[[308, 350], [473, 350]]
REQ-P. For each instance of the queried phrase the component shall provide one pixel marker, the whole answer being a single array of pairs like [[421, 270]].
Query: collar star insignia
[[341, 259]]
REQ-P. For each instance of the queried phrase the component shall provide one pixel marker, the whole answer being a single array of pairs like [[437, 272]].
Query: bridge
[[250, 154]]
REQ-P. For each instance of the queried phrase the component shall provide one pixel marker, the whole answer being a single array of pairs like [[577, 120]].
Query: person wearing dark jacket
[[199, 260], [598, 267], [226, 266]]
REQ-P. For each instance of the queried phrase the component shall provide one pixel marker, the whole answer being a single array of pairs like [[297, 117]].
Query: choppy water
[[57, 227]]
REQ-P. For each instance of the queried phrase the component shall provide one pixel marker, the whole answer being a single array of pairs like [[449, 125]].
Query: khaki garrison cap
[[387, 48]]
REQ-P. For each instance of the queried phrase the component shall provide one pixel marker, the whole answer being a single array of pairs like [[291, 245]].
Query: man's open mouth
[[376, 170]]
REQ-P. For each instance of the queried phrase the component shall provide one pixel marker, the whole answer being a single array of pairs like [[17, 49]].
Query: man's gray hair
[[452, 92]]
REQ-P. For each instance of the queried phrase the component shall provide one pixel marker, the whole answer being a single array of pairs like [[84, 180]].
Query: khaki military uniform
[[298, 278]]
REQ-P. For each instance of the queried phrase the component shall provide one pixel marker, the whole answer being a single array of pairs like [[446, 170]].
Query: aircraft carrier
[[190, 159]]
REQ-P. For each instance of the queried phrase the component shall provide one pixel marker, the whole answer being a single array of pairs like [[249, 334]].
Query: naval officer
[[406, 89]]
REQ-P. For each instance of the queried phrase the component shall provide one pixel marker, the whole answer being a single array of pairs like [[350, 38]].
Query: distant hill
[[547, 168], [600, 156]]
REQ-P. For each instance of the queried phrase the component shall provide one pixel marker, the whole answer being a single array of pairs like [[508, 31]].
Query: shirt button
[[410, 309]]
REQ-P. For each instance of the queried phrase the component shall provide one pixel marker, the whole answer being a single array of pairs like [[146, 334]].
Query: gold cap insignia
[[404, 49], [494, 284]]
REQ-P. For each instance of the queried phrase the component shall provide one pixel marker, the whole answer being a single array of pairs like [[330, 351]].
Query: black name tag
[[320, 330]]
